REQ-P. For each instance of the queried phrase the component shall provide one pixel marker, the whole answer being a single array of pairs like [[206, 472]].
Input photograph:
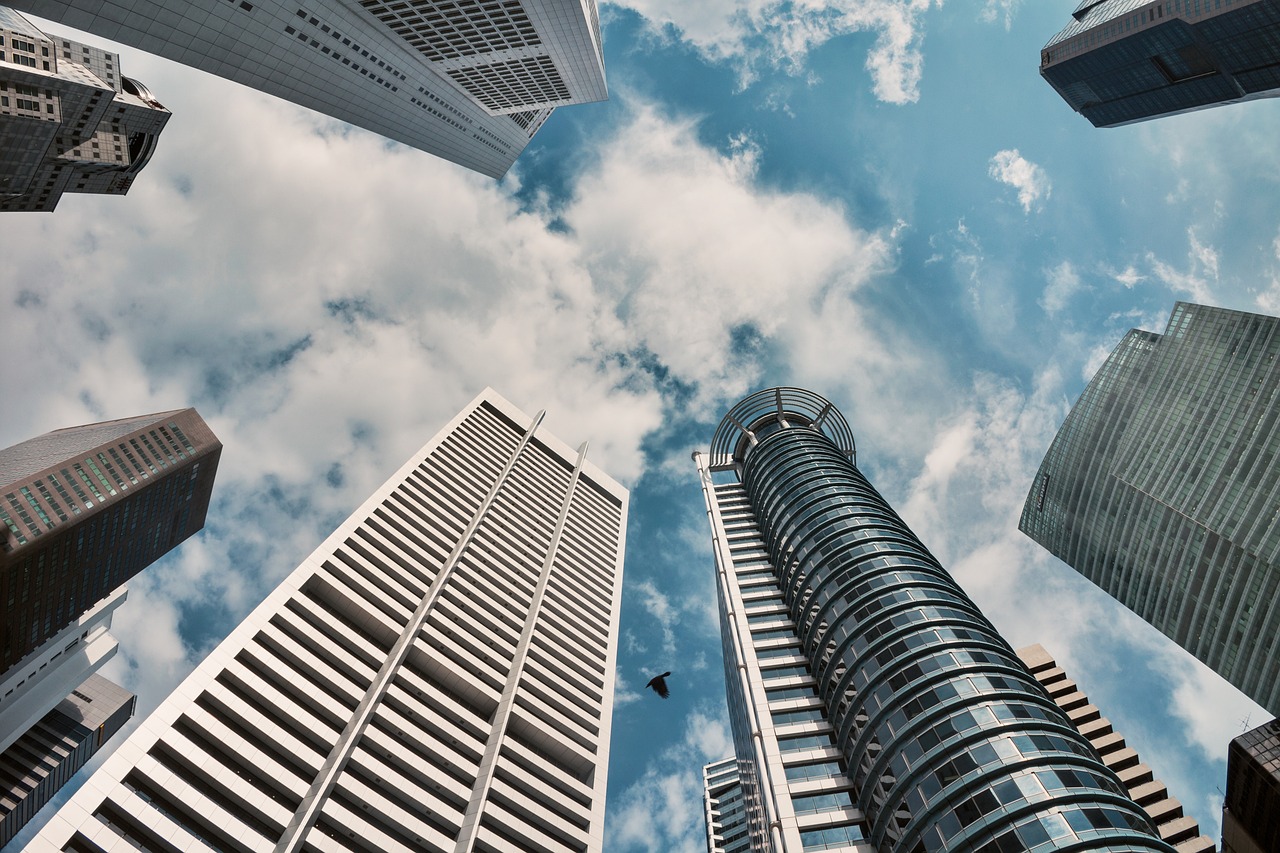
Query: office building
[[70, 121], [1124, 61], [873, 707], [723, 808], [1165, 811], [44, 677], [84, 509], [467, 80], [1251, 812], [1163, 488], [437, 676], [40, 762]]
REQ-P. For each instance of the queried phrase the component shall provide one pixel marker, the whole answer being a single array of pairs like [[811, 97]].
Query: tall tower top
[[764, 412]]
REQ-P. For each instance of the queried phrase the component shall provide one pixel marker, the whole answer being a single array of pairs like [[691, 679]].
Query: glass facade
[[1163, 488], [1123, 61], [944, 741], [1251, 813]]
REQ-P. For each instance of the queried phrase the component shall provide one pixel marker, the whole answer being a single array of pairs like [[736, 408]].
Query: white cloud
[[1031, 181], [662, 810], [1268, 300], [1063, 283], [752, 35], [658, 605], [1198, 278], [1000, 10], [1129, 276], [682, 239]]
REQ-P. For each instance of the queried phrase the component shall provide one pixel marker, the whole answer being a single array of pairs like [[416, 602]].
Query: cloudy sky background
[[879, 200]]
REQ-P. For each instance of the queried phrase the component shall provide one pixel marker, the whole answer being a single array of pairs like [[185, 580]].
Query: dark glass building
[[1251, 813], [1163, 488], [84, 509], [1124, 61], [873, 707]]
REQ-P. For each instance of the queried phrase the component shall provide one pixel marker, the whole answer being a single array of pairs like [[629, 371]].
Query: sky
[[878, 200]]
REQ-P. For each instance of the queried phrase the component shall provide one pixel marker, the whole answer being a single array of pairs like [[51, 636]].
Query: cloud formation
[[1063, 283], [756, 35], [1198, 278], [1031, 181], [662, 810]]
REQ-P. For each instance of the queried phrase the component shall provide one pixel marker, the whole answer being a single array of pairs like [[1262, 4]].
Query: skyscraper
[[1163, 488], [873, 707], [438, 675], [724, 811], [82, 510], [70, 121], [1123, 61], [467, 80], [39, 763], [1165, 811], [1251, 811]]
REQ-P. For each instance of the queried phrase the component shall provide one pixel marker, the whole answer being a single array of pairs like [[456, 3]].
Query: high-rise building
[[467, 80], [39, 763], [1165, 811], [1251, 811], [724, 811], [437, 676], [69, 120], [873, 707], [84, 509], [1163, 488], [1124, 61]]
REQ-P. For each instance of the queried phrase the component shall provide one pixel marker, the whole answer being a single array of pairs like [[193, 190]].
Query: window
[[831, 837]]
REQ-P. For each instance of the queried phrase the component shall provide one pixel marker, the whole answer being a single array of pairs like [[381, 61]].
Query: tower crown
[[766, 412]]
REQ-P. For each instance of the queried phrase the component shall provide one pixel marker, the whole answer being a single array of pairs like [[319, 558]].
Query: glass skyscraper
[[1163, 488], [1123, 61], [873, 706]]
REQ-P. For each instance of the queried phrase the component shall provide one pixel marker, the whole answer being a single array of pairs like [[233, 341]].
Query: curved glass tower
[[873, 706], [1162, 487]]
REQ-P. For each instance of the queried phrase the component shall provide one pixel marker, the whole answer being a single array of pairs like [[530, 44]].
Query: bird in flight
[[659, 685]]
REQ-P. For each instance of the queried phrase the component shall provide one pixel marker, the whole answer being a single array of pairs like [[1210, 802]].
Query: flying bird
[[659, 685]]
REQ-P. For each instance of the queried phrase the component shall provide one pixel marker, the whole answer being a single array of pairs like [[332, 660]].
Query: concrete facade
[[70, 121], [467, 80], [49, 753], [438, 675]]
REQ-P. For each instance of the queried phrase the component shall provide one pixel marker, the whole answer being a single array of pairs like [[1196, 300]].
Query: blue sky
[[876, 199]]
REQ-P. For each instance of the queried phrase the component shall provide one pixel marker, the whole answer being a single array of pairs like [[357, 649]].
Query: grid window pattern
[[1253, 790], [43, 759], [1163, 487], [514, 83], [449, 653], [90, 507], [457, 29], [1122, 61], [382, 66]]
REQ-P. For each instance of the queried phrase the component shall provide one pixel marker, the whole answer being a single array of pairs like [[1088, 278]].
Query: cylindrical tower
[[949, 742]]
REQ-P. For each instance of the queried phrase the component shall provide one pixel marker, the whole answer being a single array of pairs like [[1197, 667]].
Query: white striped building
[[437, 676]]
